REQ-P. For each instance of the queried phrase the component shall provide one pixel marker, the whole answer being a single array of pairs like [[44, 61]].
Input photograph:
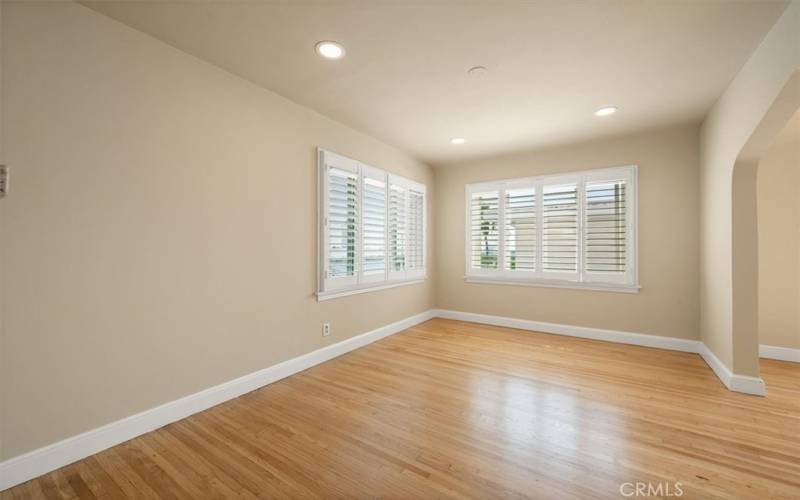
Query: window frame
[[328, 287], [627, 282]]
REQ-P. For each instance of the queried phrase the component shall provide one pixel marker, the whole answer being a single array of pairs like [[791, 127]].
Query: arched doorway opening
[[745, 259]]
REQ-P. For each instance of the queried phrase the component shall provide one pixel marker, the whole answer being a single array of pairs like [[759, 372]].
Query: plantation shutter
[[416, 232], [556, 230], [374, 226], [398, 222], [607, 227], [520, 229], [341, 221], [371, 227], [484, 234], [560, 230]]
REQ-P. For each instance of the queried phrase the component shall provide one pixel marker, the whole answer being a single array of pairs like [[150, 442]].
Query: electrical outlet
[[3, 180], [326, 329]]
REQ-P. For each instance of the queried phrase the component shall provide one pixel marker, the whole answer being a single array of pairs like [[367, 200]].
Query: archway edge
[[745, 228], [734, 133]]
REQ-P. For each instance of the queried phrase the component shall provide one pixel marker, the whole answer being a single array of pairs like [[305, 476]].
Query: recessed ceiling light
[[608, 110], [457, 140], [330, 50]]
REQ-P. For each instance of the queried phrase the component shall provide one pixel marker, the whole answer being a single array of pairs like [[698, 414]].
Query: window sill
[[574, 285], [335, 294]]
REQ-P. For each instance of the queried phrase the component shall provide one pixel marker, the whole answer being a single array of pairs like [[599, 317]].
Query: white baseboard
[[22, 468], [734, 382], [779, 353], [671, 343]]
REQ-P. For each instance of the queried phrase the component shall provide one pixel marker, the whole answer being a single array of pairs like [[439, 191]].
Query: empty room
[[400, 249]]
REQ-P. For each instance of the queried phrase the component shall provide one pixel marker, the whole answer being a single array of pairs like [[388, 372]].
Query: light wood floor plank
[[449, 409]]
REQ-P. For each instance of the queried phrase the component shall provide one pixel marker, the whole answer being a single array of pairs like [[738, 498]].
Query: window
[[569, 230], [484, 231], [372, 228]]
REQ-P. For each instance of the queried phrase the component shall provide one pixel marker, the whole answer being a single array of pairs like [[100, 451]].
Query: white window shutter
[[556, 230], [371, 227], [483, 238], [374, 225], [559, 252], [398, 223], [415, 244], [608, 239], [520, 229], [341, 221]]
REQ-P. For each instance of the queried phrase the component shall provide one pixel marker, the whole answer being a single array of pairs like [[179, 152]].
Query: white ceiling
[[404, 78]]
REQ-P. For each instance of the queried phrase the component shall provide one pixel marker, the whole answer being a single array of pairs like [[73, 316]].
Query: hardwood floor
[[450, 409]]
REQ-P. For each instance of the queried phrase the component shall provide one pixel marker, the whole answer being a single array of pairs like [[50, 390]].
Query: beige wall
[[143, 259], [139, 251], [668, 237], [779, 240], [725, 133]]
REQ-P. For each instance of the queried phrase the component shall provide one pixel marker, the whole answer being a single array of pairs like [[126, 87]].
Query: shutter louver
[[605, 231], [484, 234], [374, 227], [560, 228], [342, 222], [519, 228], [397, 228], [416, 230]]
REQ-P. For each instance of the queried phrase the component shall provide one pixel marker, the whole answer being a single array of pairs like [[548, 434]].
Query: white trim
[[584, 332], [501, 230], [405, 182], [779, 353], [335, 294], [574, 285], [43, 460], [734, 382]]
